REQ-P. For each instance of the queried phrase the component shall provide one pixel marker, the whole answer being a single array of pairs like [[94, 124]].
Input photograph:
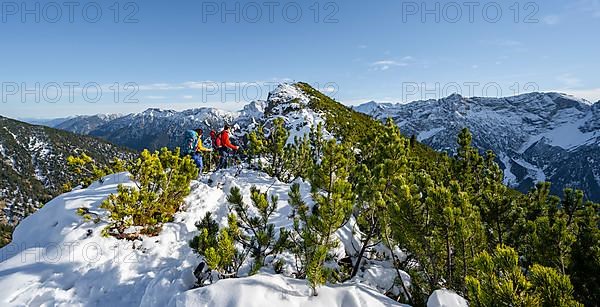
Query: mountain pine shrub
[[88, 171], [271, 147], [5, 234], [162, 180], [218, 248], [257, 235], [208, 230], [312, 237], [500, 281]]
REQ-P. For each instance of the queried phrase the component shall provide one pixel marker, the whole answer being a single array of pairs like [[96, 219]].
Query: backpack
[[213, 139], [190, 142], [219, 140]]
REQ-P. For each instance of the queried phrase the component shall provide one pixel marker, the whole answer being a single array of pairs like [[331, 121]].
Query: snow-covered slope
[[291, 104], [446, 298], [536, 136], [276, 290], [33, 164], [58, 259]]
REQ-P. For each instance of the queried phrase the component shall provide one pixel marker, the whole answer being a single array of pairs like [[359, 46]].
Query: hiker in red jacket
[[223, 145]]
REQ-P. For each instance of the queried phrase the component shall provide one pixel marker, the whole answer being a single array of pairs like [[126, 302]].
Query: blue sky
[[184, 54]]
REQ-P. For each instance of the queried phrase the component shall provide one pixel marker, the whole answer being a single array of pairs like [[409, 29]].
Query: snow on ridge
[[8, 159], [567, 135], [580, 100], [429, 133], [276, 290], [538, 173], [529, 117], [13, 135], [289, 102], [509, 178], [56, 258], [300, 123], [371, 107], [446, 298], [286, 92]]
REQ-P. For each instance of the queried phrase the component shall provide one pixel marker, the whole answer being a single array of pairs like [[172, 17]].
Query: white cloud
[[362, 46], [188, 97], [155, 97], [387, 64]]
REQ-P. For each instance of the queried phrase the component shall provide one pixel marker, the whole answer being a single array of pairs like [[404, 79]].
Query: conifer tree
[[313, 233], [500, 281], [257, 235], [562, 234], [299, 159], [440, 229], [275, 147], [584, 268], [256, 145], [162, 180], [382, 169], [207, 237], [272, 147], [553, 288], [218, 246], [368, 212], [468, 163], [498, 209], [88, 170], [316, 141], [549, 231], [221, 257]]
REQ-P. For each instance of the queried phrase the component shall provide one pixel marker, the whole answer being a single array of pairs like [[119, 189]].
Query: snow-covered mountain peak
[[286, 92], [292, 103], [372, 107], [537, 136], [286, 97], [156, 112], [455, 97], [255, 108]]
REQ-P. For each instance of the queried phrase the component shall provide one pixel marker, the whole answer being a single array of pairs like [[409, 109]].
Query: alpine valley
[[536, 136]]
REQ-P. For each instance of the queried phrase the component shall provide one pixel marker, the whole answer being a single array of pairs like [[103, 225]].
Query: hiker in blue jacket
[[194, 147]]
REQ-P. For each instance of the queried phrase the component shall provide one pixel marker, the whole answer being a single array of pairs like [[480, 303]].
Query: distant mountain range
[[537, 136], [33, 164], [156, 128], [50, 122]]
